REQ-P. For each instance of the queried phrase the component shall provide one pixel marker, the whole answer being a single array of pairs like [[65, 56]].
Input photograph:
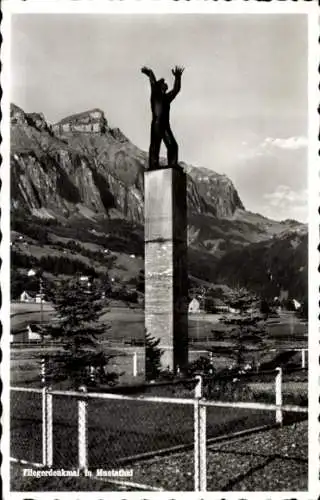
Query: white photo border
[[210, 7]]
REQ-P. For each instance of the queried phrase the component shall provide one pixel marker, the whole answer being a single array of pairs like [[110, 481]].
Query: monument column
[[166, 275]]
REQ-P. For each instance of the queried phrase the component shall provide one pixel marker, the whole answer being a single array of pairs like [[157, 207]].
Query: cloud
[[272, 147], [271, 175], [295, 142], [284, 195], [287, 203]]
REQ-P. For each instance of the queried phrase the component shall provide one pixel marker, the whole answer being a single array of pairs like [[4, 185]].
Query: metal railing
[[95, 418]]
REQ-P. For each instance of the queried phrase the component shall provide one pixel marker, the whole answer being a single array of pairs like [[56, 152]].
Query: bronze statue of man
[[160, 125]]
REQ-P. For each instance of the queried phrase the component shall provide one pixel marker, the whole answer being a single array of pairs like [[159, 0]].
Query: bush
[[153, 357], [201, 366]]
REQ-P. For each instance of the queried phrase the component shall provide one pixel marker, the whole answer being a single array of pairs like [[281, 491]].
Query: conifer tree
[[82, 360], [249, 334], [250, 341], [153, 357]]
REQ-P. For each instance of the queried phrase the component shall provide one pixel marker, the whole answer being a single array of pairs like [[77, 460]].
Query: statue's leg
[[155, 143], [172, 147]]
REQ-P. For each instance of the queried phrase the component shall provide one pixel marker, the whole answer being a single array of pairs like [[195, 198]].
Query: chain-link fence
[[274, 459], [177, 423], [65, 431], [26, 424], [256, 444], [135, 429], [128, 364], [295, 387]]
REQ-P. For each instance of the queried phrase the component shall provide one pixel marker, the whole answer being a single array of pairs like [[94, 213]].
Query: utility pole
[[41, 303]]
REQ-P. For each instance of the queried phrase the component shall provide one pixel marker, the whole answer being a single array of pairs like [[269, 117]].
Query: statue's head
[[162, 86]]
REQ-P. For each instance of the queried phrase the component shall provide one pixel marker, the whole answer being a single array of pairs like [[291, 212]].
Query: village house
[[194, 306], [26, 297], [32, 333], [39, 298], [219, 305], [296, 304]]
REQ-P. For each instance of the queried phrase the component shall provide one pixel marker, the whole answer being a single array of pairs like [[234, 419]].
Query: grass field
[[25, 363], [127, 324], [123, 321]]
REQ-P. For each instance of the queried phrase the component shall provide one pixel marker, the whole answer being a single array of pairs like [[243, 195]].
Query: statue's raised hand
[[177, 70], [146, 71], [150, 74]]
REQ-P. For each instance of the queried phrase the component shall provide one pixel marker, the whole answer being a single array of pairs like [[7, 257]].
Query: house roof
[[28, 294], [35, 327], [194, 300]]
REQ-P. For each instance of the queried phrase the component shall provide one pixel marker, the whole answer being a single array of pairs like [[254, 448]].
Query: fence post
[[200, 466], [82, 432], [44, 411], [197, 396], [203, 446], [134, 364], [49, 428], [44, 426], [278, 384], [303, 358]]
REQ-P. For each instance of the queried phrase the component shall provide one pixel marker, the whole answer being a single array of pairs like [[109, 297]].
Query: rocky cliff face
[[215, 193], [80, 169], [81, 163]]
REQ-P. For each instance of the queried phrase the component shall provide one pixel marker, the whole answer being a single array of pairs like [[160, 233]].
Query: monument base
[[166, 278]]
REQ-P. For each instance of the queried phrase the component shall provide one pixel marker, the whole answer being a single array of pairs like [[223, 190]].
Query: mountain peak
[[20, 117], [92, 120], [81, 171], [222, 198], [101, 168]]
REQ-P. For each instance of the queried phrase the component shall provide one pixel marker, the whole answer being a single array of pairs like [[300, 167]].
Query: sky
[[242, 110]]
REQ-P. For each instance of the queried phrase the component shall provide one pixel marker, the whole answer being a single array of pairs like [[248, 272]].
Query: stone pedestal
[[166, 275]]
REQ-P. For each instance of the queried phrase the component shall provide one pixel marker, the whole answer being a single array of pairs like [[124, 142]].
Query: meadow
[[124, 336]]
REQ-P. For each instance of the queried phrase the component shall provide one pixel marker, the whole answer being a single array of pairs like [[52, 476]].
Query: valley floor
[[126, 333]]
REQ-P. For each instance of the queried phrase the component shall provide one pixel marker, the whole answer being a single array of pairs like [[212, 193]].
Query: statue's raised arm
[[149, 73], [177, 73]]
